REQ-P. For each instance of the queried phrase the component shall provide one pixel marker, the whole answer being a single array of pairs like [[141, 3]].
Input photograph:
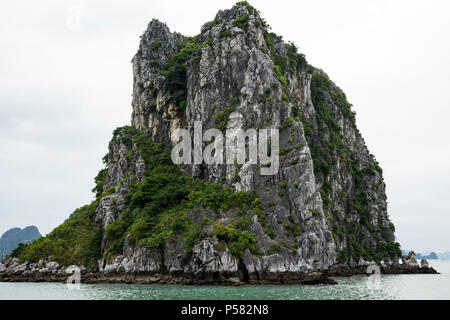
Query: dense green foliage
[[76, 241], [224, 33], [99, 182], [237, 237], [241, 22]]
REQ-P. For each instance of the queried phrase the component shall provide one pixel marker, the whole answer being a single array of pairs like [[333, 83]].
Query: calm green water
[[381, 287]]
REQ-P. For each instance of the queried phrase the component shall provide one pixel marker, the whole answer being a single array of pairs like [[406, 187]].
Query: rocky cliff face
[[327, 203], [325, 206]]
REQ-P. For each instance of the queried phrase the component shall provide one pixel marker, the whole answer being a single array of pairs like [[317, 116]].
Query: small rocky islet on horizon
[[15, 236], [324, 213]]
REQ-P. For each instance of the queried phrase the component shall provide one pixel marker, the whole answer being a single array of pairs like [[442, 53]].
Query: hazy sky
[[66, 83]]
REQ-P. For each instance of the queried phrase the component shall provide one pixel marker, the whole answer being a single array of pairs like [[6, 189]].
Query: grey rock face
[[410, 260], [343, 182], [362, 262], [424, 264], [152, 111], [50, 267], [123, 167], [13, 267], [234, 68]]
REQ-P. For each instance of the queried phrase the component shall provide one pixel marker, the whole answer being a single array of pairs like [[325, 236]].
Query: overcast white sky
[[66, 83]]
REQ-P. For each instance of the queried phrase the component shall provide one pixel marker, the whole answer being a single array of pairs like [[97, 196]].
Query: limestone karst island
[[323, 214]]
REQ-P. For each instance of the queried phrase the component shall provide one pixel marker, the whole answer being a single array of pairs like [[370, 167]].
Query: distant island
[[15, 236], [431, 256], [444, 256], [427, 255]]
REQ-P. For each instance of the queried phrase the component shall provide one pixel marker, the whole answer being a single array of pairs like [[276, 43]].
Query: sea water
[[382, 287]]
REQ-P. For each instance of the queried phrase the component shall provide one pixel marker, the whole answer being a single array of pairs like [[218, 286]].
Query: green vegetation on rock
[[76, 241], [175, 69]]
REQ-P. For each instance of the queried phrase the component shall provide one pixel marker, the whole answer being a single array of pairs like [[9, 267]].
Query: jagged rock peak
[[157, 42], [164, 93], [240, 15]]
